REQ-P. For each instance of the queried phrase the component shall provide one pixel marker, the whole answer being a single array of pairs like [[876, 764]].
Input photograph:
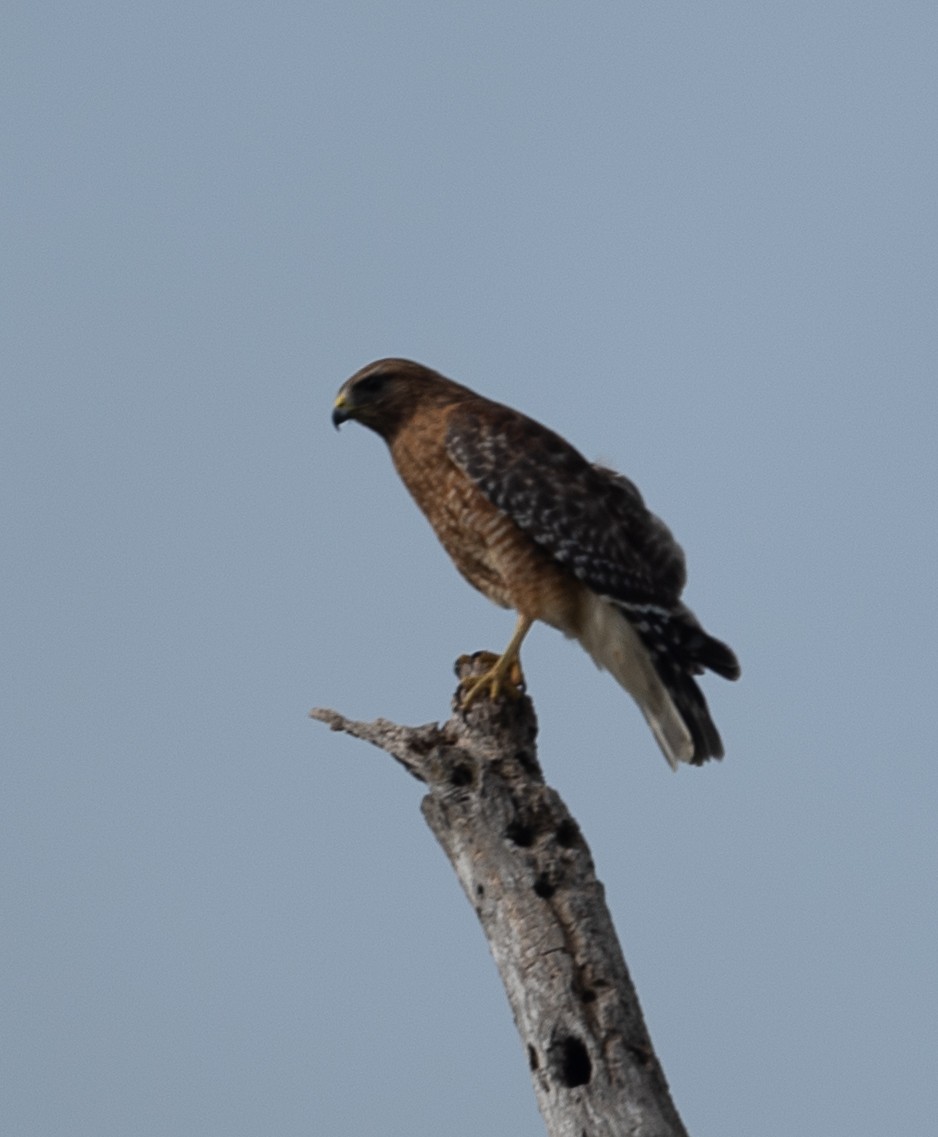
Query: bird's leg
[[508, 664]]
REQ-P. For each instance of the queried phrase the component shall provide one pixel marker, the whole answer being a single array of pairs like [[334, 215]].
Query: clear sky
[[699, 239]]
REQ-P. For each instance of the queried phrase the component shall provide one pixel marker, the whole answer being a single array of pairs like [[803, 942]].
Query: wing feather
[[590, 519]]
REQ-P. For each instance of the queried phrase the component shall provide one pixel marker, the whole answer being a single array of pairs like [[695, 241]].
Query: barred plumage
[[535, 526]]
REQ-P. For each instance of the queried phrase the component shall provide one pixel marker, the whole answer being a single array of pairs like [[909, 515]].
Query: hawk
[[536, 527]]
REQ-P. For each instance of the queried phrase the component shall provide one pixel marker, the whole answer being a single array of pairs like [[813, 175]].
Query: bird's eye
[[370, 385]]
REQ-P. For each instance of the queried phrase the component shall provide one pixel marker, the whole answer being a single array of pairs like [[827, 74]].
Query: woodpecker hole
[[461, 775], [520, 834], [543, 887], [572, 1062], [567, 834]]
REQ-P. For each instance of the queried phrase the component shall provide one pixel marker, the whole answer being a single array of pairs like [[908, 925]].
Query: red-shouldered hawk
[[534, 526]]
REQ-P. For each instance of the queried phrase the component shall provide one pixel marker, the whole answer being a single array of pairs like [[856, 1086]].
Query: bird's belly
[[478, 540], [501, 560], [490, 551]]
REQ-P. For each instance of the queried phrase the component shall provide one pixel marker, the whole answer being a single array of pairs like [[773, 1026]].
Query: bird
[[538, 528]]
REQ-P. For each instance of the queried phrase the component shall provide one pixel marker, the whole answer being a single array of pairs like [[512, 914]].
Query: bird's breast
[[486, 545]]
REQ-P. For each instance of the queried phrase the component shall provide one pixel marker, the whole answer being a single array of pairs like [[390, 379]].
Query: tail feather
[[692, 707], [698, 648], [654, 653], [679, 649]]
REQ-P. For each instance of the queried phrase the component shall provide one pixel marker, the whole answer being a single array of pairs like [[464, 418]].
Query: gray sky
[[698, 239]]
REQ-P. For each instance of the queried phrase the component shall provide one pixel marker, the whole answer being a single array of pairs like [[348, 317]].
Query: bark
[[526, 869]]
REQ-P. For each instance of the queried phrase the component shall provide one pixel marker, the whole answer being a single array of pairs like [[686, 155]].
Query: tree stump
[[527, 871]]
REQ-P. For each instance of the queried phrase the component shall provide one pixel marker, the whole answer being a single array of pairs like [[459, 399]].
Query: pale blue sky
[[698, 239]]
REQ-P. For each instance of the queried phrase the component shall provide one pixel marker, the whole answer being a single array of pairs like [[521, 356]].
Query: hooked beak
[[340, 411]]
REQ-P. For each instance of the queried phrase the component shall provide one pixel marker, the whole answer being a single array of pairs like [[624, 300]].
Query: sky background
[[698, 239]]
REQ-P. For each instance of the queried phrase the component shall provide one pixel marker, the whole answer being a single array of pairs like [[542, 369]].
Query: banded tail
[[654, 653]]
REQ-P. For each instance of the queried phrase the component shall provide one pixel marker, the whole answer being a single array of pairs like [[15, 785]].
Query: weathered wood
[[527, 871]]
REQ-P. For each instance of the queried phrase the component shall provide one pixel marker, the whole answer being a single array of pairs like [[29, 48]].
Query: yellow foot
[[504, 674]]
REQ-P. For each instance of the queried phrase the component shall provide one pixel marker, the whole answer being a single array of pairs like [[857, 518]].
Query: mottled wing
[[591, 520]]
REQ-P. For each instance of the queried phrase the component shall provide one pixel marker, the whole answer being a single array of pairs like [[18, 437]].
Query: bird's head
[[385, 393]]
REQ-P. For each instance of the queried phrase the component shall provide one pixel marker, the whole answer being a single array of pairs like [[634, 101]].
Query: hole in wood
[[567, 834], [544, 888], [520, 834], [461, 775], [571, 1061]]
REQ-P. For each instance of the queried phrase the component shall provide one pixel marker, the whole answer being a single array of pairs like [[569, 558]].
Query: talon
[[495, 682], [504, 674]]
